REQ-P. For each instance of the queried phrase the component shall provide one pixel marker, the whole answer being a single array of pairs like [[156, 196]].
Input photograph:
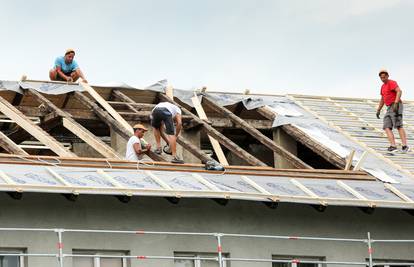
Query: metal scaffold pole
[[60, 246], [219, 250], [369, 242]]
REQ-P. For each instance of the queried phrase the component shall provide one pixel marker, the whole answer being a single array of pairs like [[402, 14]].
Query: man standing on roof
[[66, 68], [391, 97], [163, 117], [137, 146]]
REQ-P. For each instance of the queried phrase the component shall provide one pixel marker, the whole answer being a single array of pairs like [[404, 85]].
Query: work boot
[[405, 149], [392, 149], [177, 160], [158, 151]]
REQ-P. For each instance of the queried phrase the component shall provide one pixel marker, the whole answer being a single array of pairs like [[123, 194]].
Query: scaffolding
[[218, 238]]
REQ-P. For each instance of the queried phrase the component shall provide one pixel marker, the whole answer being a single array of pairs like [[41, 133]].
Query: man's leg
[[390, 136], [172, 141], [157, 136], [403, 136], [53, 75]]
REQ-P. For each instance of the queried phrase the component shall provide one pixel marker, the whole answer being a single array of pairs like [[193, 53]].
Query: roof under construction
[[338, 157]]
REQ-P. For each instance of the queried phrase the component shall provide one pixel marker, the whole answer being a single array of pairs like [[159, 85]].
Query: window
[[299, 263], [198, 262], [99, 261], [389, 263], [11, 261]]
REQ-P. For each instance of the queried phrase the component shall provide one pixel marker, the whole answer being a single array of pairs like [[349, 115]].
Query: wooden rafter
[[233, 147], [77, 129], [257, 134], [29, 126], [10, 146], [216, 145]]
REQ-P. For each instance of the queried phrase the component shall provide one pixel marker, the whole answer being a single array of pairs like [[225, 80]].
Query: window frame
[[22, 260], [197, 262], [300, 258], [97, 260]]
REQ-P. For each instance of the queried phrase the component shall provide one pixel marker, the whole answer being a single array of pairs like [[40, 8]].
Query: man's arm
[[179, 123], [380, 105], [399, 93], [80, 74], [138, 150], [62, 75]]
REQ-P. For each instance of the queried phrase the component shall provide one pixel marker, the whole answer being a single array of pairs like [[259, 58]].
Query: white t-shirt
[[130, 153], [173, 109]]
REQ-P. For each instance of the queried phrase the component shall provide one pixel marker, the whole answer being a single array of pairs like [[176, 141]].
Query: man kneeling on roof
[[66, 68], [137, 146], [163, 117]]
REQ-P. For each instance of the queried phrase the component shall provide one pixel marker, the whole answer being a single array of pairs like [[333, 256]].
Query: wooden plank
[[349, 160], [258, 135], [169, 91], [10, 111], [216, 145], [111, 122], [233, 147], [10, 146], [77, 129], [398, 193], [107, 107], [90, 139]]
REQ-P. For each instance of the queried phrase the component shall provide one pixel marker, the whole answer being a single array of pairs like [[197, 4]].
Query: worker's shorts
[[160, 115], [58, 78], [393, 119]]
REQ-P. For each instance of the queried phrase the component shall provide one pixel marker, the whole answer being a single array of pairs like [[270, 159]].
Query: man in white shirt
[[136, 146], [163, 117]]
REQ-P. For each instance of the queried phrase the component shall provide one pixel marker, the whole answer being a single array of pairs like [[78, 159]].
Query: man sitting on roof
[[163, 117], [137, 146], [66, 68]]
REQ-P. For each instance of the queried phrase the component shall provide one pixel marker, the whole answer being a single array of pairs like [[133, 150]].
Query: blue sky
[[319, 47]]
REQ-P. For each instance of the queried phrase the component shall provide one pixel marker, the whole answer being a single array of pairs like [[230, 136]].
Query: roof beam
[[196, 151], [257, 134], [216, 145], [10, 146], [77, 129], [10, 111], [107, 107], [233, 147], [111, 122]]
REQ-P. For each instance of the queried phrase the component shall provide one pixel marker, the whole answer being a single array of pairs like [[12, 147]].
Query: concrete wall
[[119, 143], [283, 139], [198, 215]]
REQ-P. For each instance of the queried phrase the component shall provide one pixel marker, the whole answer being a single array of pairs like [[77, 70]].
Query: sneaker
[[177, 160], [167, 150], [405, 149], [392, 149], [158, 151]]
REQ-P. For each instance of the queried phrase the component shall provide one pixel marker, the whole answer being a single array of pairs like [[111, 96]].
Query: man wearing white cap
[[391, 97], [136, 146], [66, 68]]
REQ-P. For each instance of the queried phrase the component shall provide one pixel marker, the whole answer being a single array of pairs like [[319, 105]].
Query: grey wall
[[198, 215]]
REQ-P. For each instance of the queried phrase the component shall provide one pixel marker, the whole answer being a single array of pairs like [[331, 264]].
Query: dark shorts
[[160, 115], [393, 119], [58, 78]]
